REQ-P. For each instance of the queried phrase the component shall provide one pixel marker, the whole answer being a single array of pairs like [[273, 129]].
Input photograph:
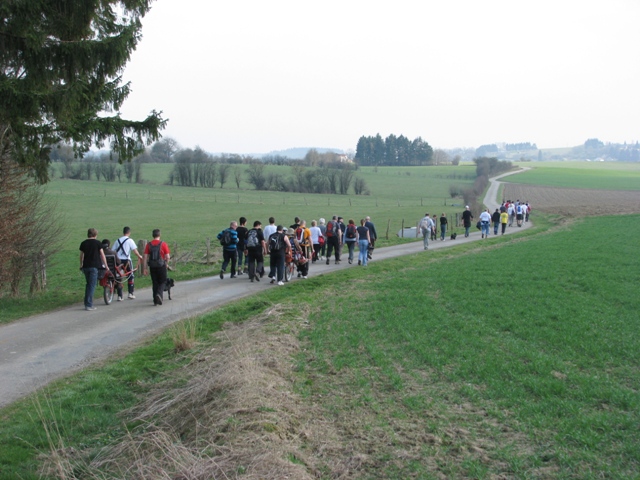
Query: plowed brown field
[[575, 201]]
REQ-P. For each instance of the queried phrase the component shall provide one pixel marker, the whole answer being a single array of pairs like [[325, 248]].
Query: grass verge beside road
[[515, 356]]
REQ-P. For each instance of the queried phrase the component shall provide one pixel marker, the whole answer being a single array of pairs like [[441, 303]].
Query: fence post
[[142, 245], [402, 229], [388, 226], [208, 248]]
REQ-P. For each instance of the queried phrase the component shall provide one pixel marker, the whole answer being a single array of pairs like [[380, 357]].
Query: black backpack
[[351, 231], [252, 239], [155, 260], [226, 239], [275, 242]]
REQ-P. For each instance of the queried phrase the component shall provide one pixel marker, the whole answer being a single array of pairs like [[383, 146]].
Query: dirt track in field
[[575, 202]]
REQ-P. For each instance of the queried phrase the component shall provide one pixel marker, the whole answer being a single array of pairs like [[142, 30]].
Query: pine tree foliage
[[60, 77]]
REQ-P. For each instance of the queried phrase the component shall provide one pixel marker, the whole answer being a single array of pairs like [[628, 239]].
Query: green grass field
[[594, 175], [514, 358]]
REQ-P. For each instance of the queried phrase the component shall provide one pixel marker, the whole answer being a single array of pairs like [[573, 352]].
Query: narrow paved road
[[39, 349]]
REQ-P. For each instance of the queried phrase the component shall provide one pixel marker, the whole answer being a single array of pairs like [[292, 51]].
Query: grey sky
[[254, 76]]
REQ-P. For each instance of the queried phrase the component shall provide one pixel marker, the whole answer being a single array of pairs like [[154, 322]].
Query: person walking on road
[[229, 239], [504, 218], [256, 248], [334, 237], [495, 219], [426, 227], [467, 216], [316, 238], [123, 247], [443, 226], [241, 231], [350, 238], [91, 259], [157, 256], [373, 235], [364, 239], [277, 245], [485, 223]]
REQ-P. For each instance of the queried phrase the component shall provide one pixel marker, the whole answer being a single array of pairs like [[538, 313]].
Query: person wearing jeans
[[91, 259], [443, 226], [364, 239], [485, 223]]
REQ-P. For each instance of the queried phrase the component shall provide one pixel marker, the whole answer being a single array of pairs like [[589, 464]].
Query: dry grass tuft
[[237, 414], [183, 335]]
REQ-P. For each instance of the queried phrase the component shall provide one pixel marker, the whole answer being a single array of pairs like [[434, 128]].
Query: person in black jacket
[[229, 249], [495, 219], [467, 216]]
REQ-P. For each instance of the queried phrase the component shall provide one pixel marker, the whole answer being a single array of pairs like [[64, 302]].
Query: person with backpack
[[157, 256], [334, 238], [242, 231], [350, 238], [255, 249], [426, 225], [277, 245], [229, 239], [519, 214], [373, 235], [123, 247]]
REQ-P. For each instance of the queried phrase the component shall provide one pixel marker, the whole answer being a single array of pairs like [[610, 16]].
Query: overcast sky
[[253, 76]]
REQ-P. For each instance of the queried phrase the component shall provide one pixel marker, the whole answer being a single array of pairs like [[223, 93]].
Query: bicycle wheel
[[108, 291], [289, 268]]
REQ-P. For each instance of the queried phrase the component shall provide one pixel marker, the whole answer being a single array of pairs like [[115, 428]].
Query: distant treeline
[[492, 148], [393, 151]]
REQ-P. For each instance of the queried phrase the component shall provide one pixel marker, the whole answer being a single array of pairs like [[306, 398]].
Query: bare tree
[[237, 175], [256, 175], [223, 173], [30, 230]]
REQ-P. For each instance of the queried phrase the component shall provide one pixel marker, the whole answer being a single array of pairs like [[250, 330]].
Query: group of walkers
[[502, 217], [244, 249], [505, 215], [93, 263], [428, 226]]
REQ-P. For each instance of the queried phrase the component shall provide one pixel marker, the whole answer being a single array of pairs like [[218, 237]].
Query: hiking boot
[[221, 274], [327, 261], [232, 276], [281, 283], [257, 278], [158, 300], [273, 280], [120, 299], [90, 309], [131, 296], [359, 262]]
